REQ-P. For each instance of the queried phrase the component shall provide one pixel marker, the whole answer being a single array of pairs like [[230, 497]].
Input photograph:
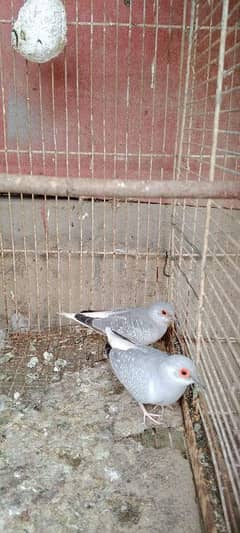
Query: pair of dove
[[149, 375]]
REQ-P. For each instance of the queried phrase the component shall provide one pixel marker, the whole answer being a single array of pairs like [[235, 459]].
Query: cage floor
[[75, 455]]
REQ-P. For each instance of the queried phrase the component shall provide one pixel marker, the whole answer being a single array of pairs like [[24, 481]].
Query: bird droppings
[[47, 356], [16, 395], [59, 364], [84, 461], [112, 474], [33, 362]]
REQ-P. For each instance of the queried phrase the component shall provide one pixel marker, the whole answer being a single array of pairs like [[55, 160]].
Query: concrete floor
[[76, 456]]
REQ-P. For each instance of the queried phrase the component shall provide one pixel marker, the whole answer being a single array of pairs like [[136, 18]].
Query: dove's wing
[[139, 370]]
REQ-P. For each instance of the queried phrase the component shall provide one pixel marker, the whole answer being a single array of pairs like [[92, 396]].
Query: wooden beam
[[202, 488], [117, 188]]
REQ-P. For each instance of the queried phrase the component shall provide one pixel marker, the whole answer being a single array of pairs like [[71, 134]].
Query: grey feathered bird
[[150, 376], [143, 325]]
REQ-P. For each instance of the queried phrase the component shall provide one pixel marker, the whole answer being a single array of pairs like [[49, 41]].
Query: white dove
[[150, 376], [143, 325]]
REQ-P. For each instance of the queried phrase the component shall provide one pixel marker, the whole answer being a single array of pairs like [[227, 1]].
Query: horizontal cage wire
[[143, 91]]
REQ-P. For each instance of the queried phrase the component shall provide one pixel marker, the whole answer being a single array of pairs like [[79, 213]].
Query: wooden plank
[[198, 473], [205, 481], [117, 188]]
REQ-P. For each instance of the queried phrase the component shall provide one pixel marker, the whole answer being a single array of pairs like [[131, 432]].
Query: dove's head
[[182, 370], [162, 312]]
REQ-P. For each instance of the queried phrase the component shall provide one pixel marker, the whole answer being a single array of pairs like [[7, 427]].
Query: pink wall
[[125, 77]]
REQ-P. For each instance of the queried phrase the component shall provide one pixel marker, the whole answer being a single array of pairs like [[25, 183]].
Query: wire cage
[[119, 167]]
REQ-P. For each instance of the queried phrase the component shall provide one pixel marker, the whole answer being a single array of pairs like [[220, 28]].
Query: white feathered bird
[[150, 376]]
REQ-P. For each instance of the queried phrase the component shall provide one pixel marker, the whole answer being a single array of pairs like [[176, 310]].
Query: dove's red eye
[[164, 312], [184, 373]]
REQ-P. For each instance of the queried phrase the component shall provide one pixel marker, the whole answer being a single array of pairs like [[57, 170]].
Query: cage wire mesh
[[205, 241], [143, 90]]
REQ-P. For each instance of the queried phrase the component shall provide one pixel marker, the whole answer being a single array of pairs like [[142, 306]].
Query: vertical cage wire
[[205, 244]]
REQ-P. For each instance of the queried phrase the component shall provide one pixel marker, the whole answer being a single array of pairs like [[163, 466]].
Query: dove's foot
[[152, 416]]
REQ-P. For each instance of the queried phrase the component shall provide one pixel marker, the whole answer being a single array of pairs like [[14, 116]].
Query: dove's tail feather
[[107, 348], [68, 315], [80, 318], [83, 319]]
